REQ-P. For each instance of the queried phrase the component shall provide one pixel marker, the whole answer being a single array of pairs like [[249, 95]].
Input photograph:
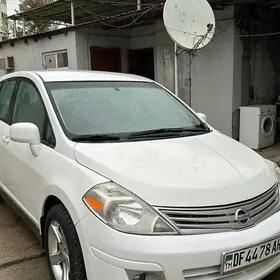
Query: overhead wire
[[248, 35], [149, 8], [259, 34], [232, 19], [102, 18], [120, 3], [152, 6]]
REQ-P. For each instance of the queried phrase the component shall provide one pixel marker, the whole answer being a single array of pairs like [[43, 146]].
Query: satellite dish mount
[[191, 25]]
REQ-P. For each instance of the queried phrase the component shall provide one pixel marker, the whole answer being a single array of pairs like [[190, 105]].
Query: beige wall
[[30, 56]]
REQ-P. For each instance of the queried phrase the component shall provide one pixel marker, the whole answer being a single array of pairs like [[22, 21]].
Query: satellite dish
[[189, 23]]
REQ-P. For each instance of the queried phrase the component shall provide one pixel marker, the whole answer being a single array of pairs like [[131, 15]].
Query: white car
[[123, 181]]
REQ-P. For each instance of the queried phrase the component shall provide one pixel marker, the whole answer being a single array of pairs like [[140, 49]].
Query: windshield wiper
[[96, 138], [165, 132], [161, 132]]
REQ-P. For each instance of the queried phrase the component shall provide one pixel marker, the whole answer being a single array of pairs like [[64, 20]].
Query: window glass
[[118, 107], [29, 108], [6, 94], [49, 135], [50, 61], [62, 60]]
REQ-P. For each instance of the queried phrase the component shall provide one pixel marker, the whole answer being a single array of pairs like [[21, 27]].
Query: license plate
[[241, 259]]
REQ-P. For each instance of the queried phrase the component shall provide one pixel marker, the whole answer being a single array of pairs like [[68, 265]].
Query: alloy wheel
[[58, 252]]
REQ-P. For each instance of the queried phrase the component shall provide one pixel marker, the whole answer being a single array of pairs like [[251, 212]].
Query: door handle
[[6, 139]]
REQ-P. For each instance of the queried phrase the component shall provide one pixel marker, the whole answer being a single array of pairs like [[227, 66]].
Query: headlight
[[125, 212], [276, 168]]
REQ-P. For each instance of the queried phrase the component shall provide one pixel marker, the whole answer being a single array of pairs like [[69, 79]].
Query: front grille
[[222, 218], [213, 272]]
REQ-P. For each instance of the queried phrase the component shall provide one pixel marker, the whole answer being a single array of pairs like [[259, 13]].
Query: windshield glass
[[94, 108]]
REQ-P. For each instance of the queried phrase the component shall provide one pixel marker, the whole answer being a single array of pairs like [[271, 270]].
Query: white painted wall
[[213, 72], [212, 69], [143, 37], [86, 38], [237, 84], [30, 57]]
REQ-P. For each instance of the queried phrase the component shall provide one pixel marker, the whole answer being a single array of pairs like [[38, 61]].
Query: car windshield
[[100, 108]]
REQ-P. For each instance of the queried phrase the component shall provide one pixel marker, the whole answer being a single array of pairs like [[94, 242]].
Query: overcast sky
[[12, 5]]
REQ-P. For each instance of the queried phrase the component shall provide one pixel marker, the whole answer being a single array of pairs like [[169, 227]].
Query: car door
[[7, 91], [24, 174]]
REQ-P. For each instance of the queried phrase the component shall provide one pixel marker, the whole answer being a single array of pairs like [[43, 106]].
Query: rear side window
[[6, 94]]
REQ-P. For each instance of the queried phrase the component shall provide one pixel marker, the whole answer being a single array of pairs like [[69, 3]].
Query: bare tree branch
[[31, 27]]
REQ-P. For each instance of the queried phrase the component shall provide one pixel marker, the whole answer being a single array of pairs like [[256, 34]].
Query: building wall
[[142, 37], [230, 72], [30, 56], [86, 38], [212, 75], [260, 59], [256, 60], [256, 79], [212, 68], [238, 82], [211, 72]]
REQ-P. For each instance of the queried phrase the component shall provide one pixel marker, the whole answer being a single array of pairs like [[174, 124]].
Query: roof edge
[[18, 16], [93, 24]]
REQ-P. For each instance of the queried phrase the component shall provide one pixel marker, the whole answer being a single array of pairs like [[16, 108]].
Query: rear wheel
[[63, 249]]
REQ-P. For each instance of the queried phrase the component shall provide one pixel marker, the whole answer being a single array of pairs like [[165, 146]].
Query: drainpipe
[[72, 14], [138, 5]]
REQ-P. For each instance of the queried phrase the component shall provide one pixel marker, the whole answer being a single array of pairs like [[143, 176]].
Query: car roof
[[71, 75], [76, 75]]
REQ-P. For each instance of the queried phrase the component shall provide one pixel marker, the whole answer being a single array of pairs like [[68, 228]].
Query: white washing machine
[[257, 126]]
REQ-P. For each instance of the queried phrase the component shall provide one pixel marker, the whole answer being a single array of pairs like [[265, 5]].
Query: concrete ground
[[21, 257], [272, 153]]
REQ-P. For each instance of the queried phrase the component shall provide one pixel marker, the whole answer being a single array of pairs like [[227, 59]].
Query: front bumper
[[110, 254]]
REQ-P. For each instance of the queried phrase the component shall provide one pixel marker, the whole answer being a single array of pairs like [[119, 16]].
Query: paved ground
[[272, 153], [20, 255]]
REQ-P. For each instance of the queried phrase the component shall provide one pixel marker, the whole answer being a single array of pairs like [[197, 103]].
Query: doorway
[[141, 62], [105, 59]]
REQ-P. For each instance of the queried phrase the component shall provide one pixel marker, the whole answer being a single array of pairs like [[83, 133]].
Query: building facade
[[235, 69]]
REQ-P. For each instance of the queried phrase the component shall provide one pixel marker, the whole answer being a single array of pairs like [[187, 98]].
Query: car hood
[[205, 170]]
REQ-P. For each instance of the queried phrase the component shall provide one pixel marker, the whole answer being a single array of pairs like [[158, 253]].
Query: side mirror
[[27, 133], [202, 116]]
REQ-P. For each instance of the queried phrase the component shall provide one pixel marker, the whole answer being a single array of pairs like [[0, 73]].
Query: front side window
[[6, 94], [94, 108], [29, 108]]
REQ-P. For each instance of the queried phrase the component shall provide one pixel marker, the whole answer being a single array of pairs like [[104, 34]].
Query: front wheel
[[63, 249]]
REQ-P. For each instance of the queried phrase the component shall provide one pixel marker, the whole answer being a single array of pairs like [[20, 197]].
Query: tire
[[62, 243]]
